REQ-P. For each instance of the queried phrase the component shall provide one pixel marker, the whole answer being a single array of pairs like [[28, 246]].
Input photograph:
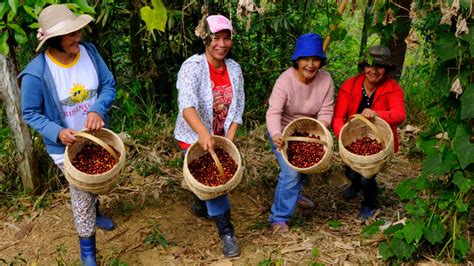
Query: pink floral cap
[[218, 22]]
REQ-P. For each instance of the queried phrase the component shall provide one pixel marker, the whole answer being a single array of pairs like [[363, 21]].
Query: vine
[[439, 201]]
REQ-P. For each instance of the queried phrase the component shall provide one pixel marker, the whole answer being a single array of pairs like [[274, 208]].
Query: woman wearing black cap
[[371, 93]]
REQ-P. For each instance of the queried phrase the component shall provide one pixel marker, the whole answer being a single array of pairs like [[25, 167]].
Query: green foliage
[[439, 199], [154, 18], [156, 238], [372, 229], [334, 224]]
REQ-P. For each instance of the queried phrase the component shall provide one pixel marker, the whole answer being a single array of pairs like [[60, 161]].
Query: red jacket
[[388, 103]]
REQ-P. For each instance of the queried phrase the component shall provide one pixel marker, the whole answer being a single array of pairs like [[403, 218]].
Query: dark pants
[[367, 185]]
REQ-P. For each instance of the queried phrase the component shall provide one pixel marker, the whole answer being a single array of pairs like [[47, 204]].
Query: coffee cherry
[[93, 159], [365, 146], [304, 154], [205, 171]]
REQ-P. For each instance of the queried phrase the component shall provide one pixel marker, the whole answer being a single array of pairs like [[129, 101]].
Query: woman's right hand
[[205, 140], [278, 141], [66, 136]]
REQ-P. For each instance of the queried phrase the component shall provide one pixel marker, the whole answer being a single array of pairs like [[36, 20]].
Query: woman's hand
[[278, 141], [369, 113], [93, 122], [66, 136], [205, 140]]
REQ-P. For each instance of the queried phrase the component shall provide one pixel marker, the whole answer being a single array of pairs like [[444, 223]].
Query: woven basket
[[359, 127], [312, 127], [202, 191], [101, 183]]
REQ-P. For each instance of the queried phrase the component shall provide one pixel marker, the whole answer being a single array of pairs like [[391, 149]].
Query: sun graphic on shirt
[[79, 93]]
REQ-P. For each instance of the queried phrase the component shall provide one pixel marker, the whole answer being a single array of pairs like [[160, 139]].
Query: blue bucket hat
[[309, 44]]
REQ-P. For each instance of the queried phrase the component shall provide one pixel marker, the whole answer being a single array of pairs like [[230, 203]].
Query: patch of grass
[[126, 208], [258, 225], [334, 224], [117, 262], [156, 238], [60, 252]]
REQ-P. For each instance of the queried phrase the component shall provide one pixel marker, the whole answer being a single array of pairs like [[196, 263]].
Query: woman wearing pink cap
[[211, 102], [304, 90]]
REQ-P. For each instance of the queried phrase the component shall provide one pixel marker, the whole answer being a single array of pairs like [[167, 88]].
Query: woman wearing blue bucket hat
[[304, 90]]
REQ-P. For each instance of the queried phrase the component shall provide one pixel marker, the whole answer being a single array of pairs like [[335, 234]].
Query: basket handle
[[98, 141], [218, 164], [371, 125], [305, 139]]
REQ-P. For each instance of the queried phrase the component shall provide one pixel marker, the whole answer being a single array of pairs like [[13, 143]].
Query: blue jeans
[[217, 206], [286, 192]]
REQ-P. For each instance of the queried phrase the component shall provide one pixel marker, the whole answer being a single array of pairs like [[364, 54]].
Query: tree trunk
[[135, 37], [10, 95], [396, 42], [363, 39]]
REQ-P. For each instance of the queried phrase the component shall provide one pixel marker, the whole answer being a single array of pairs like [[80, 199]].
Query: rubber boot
[[230, 248], [88, 251], [369, 204], [199, 208], [101, 221], [351, 191]]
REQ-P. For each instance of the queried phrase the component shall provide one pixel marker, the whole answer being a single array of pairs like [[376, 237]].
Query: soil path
[[155, 205]]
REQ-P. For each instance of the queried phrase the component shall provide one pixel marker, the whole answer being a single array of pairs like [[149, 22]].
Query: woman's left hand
[[93, 122], [369, 113]]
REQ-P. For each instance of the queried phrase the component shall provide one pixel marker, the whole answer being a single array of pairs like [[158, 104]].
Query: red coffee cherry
[[205, 170], [94, 160], [304, 154], [365, 146]]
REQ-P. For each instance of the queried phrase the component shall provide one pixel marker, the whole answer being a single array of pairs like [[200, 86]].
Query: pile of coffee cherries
[[94, 160], [304, 154], [205, 171], [365, 146]]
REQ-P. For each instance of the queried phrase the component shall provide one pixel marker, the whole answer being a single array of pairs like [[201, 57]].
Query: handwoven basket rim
[[119, 163], [328, 150], [239, 164]]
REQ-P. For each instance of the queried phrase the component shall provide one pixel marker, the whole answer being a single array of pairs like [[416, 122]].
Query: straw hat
[[57, 20]]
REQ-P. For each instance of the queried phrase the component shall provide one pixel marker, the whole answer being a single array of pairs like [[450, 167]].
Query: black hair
[[199, 47], [55, 42], [323, 61]]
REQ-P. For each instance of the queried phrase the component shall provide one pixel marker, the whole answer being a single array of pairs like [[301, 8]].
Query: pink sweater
[[291, 99]]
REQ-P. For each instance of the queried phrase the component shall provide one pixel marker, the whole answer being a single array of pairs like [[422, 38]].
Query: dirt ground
[[155, 205]]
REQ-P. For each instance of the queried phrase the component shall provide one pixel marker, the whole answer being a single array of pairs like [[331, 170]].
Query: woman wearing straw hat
[[66, 88], [371, 93], [211, 102], [304, 90]]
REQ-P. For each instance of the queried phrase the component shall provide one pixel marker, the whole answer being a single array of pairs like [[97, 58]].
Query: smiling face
[[70, 42], [307, 68], [218, 47], [375, 74]]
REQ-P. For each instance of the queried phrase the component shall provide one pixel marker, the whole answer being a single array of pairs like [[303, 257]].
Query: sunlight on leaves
[[154, 18]]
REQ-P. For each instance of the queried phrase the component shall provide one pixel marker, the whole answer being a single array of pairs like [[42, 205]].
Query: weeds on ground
[[156, 237]]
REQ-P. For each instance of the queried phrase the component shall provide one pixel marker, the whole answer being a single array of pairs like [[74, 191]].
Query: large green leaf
[[433, 164], [373, 228], [4, 7], [13, 5], [84, 6], [4, 49], [435, 231], [30, 11], [462, 183], [462, 246], [462, 146], [385, 251], [413, 231], [447, 47], [20, 34], [401, 249], [154, 18], [405, 190], [467, 103]]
